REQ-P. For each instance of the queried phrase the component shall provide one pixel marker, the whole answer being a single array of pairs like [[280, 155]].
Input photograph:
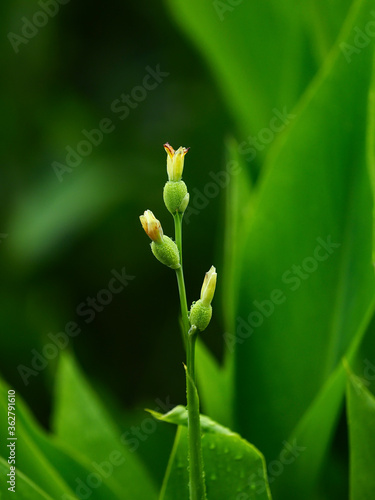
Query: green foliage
[[215, 385], [233, 467], [81, 421], [26, 489], [361, 420], [289, 202], [322, 306]]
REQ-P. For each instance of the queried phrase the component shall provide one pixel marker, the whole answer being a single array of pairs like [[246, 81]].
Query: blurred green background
[[230, 68], [64, 238]]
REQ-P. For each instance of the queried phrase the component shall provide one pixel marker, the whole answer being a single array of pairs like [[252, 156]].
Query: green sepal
[[174, 195], [200, 315], [166, 252]]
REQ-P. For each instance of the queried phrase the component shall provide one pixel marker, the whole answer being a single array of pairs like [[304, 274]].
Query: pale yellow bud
[[152, 226], [175, 162], [209, 285]]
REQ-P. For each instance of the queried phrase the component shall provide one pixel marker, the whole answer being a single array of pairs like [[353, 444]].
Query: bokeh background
[[62, 236], [66, 236]]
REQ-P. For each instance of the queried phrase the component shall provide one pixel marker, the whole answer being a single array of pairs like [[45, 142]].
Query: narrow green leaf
[[263, 54], [371, 148], [361, 420], [314, 431], [73, 467], [229, 39], [82, 422], [30, 459], [307, 280], [85, 477], [25, 488], [215, 380], [237, 214], [234, 468], [324, 21], [215, 384]]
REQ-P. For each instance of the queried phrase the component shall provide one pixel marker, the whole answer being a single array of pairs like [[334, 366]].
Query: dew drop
[[213, 477], [238, 457], [212, 446]]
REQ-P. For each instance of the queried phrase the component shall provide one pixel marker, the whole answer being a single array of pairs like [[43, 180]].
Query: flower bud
[[175, 162], [201, 311], [200, 315], [164, 249], [208, 287], [184, 203], [166, 252], [152, 226], [175, 196]]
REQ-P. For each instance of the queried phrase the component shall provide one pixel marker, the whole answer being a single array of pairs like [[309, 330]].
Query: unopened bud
[[201, 311], [175, 196], [152, 226], [166, 252], [200, 315], [175, 162], [209, 285], [164, 249]]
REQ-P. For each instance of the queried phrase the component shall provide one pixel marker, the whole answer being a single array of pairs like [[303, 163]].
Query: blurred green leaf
[[29, 457], [74, 468], [46, 218], [307, 281], [238, 202], [215, 381], [215, 384], [233, 467], [25, 489], [315, 429], [361, 419], [371, 148], [82, 422], [323, 20], [263, 54], [236, 42]]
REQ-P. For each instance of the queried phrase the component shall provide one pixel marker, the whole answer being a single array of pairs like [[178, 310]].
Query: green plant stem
[[197, 485], [178, 232], [180, 278]]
